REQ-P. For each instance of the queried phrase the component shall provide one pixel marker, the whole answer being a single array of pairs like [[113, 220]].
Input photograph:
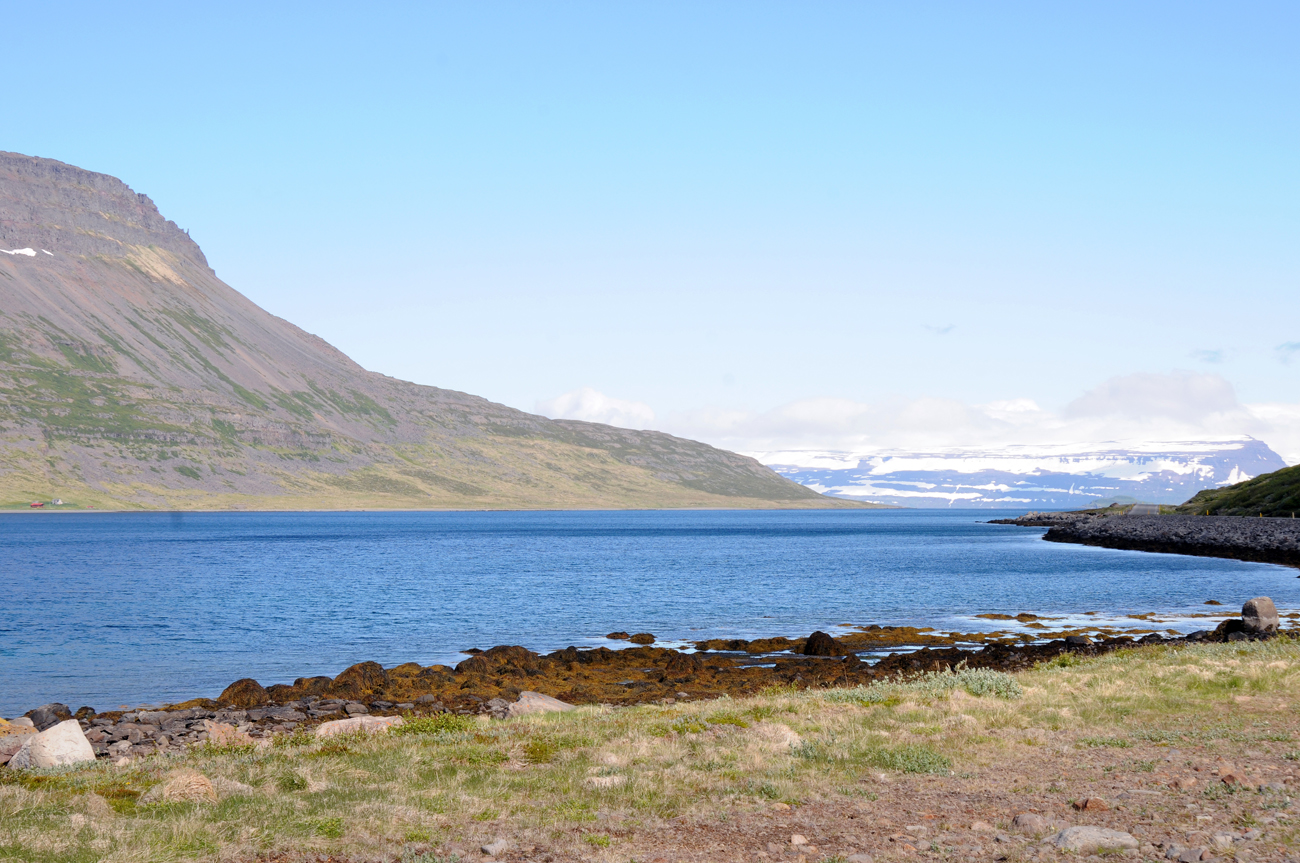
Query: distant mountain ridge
[[130, 375], [1061, 476]]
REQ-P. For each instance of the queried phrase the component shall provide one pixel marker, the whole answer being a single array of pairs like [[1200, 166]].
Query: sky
[[765, 225]]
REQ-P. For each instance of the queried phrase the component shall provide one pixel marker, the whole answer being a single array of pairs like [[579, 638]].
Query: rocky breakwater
[[1264, 540]]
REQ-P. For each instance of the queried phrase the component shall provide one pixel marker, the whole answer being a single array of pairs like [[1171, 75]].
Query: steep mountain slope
[[1275, 494], [130, 375]]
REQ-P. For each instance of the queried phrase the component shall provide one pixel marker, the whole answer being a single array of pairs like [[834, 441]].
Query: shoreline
[[488, 680], [1258, 540]]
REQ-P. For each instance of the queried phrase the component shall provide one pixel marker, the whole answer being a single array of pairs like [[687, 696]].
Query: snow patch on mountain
[[1044, 476]]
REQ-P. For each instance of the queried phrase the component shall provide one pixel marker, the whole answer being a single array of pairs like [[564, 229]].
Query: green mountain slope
[[1275, 494], [131, 376]]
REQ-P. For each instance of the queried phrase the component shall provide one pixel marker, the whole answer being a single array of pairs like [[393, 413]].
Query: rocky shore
[[493, 682], [1264, 540]]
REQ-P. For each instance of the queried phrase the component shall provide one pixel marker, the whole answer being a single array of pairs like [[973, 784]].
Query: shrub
[[439, 723]]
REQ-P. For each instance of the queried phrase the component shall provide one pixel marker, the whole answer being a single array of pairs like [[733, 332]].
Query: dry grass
[[587, 782]]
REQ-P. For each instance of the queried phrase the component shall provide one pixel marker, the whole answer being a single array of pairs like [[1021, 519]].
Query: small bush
[[979, 682], [598, 840], [290, 781], [727, 718], [688, 725], [909, 758], [439, 723], [540, 751], [330, 828]]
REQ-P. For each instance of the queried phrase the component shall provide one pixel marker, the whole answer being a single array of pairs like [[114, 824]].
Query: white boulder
[[56, 746], [353, 724], [1090, 840], [535, 702]]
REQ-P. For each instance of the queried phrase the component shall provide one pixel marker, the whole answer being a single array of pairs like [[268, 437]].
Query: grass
[[452, 779]]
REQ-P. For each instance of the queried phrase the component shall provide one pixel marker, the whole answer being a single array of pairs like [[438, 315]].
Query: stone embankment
[[510, 681], [1264, 540]]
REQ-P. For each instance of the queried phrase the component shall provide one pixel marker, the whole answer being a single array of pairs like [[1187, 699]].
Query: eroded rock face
[[244, 693], [1259, 615]]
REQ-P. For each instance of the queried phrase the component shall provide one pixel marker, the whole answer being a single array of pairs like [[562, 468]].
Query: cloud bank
[[1142, 408], [593, 406]]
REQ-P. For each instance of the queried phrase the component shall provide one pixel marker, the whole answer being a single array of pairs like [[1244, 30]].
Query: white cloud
[[1181, 406], [593, 406]]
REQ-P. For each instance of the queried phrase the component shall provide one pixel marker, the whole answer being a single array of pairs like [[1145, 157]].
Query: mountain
[[131, 376], [1274, 494], [1038, 477]]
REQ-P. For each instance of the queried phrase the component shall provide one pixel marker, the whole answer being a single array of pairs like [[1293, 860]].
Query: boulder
[[473, 665], [821, 644], [221, 734], [11, 743], [642, 638], [186, 787], [1260, 616], [244, 693], [1031, 823], [618, 636], [58, 746], [535, 702], [1077, 641], [1090, 840], [355, 724], [359, 681], [48, 715], [683, 663]]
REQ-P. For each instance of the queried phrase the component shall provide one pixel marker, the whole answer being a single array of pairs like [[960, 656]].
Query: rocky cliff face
[[131, 375]]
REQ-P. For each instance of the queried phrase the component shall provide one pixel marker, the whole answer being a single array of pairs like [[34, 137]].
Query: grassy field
[[935, 768]]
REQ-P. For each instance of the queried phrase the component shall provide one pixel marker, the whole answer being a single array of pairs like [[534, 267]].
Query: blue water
[[116, 609]]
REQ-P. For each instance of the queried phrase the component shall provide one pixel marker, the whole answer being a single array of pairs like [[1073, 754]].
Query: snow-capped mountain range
[[1052, 476]]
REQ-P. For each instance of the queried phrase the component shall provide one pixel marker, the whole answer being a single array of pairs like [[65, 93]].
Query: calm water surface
[[112, 609]]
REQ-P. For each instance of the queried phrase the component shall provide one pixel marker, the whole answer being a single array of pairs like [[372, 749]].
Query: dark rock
[[359, 681], [312, 685], [48, 715], [473, 665], [683, 663], [1077, 640], [356, 708], [821, 644], [85, 713], [618, 636], [1228, 628], [1260, 615], [642, 638], [244, 693]]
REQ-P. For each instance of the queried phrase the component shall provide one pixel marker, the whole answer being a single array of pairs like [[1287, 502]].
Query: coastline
[[1259, 540]]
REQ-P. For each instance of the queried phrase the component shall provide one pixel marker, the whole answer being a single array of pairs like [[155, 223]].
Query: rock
[[1031, 823], [495, 847], [821, 644], [220, 734], [1077, 640], [1192, 855], [684, 663], [1260, 615], [498, 708], [11, 743], [780, 807], [982, 827], [1222, 841], [23, 722], [48, 715], [1183, 783], [57, 746], [1090, 840], [355, 708], [367, 724], [642, 638], [1095, 804], [618, 636], [244, 693], [534, 702], [429, 699], [473, 665], [359, 681], [796, 840]]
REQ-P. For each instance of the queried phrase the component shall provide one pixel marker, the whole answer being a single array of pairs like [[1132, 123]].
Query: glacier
[[1048, 476]]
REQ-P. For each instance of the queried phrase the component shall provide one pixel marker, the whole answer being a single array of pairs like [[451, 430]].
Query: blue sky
[[699, 215]]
